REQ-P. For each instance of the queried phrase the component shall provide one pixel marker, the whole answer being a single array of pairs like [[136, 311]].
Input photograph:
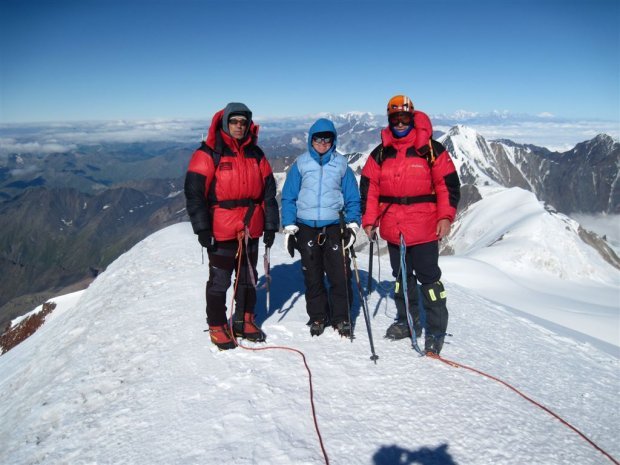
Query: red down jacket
[[403, 190], [226, 178]]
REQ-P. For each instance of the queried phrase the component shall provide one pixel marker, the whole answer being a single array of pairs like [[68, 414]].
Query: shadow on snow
[[395, 455], [287, 287]]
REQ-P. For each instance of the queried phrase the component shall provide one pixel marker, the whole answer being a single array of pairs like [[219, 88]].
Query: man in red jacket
[[231, 199], [410, 190]]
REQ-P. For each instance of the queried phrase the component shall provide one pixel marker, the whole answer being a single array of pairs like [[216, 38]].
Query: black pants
[[321, 255], [222, 263], [421, 259], [422, 266]]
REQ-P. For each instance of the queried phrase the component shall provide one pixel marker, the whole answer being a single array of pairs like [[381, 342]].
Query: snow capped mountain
[[471, 116], [582, 179], [358, 133], [472, 156]]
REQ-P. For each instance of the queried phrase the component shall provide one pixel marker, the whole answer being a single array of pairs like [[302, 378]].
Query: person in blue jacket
[[321, 216]]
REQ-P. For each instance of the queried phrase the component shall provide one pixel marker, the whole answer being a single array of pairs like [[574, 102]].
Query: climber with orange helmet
[[410, 191]]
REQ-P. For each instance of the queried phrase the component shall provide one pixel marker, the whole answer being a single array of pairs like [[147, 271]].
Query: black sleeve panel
[[454, 188], [196, 202], [364, 186], [272, 214]]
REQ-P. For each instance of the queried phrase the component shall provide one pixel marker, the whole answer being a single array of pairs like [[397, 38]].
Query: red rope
[[550, 412], [316, 424]]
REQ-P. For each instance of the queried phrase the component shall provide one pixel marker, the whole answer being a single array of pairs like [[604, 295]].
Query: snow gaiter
[[434, 296]]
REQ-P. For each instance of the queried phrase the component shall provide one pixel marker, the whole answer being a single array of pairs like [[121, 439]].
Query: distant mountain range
[[65, 216], [584, 179]]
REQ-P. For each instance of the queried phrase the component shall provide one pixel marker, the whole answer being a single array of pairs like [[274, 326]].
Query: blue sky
[[70, 60]]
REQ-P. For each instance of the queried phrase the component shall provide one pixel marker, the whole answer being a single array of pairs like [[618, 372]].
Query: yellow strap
[[430, 146]]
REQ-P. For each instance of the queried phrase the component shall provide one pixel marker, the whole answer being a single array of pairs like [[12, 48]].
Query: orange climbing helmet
[[400, 103]]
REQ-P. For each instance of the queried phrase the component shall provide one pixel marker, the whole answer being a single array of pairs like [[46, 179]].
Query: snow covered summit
[[126, 375]]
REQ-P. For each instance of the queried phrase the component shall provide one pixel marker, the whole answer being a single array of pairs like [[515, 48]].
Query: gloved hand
[[371, 232], [207, 240], [350, 234], [290, 239], [268, 238]]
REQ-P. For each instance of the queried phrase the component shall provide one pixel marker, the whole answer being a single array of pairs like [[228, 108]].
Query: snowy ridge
[[127, 376], [531, 238], [470, 153]]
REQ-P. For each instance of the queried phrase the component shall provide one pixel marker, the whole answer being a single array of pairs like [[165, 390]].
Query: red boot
[[220, 336], [248, 329]]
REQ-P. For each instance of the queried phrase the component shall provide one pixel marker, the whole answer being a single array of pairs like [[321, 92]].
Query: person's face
[[237, 126], [401, 120], [322, 144]]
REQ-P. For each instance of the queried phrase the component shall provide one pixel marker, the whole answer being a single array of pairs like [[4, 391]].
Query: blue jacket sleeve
[[351, 194], [290, 192]]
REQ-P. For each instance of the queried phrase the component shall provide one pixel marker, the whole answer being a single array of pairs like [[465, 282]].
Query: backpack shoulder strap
[[259, 152], [377, 154], [430, 151], [212, 153]]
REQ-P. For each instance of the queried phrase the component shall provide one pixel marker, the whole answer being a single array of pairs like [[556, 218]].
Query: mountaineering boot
[[248, 329], [400, 330], [317, 328], [434, 296], [220, 336], [343, 328], [432, 344], [238, 322]]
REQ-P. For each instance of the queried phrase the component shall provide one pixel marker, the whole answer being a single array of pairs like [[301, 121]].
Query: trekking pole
[[266, 263], [373, 238], [374, 356], [369, 286], [346, 275], [403, 276]]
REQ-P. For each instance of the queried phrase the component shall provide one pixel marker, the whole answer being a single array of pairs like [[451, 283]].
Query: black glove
[[268, 238], [349, 235], [207, 240], [291, 244]]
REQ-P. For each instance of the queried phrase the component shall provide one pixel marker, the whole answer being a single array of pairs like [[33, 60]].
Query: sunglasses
[[403, 118], [322, 140], [238, 121]]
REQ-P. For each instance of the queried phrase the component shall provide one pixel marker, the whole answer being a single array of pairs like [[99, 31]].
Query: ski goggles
[[322, 140], [402, 118], [238, 121]]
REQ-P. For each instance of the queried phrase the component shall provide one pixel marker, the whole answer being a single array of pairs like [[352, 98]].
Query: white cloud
[[11, 145], [543, 130], [555, 135], [24, 171]]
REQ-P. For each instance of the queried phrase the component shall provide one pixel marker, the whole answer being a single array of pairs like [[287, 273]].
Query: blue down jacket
[[318, 187]]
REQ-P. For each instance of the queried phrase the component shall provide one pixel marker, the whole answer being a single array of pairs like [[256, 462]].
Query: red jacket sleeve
[[202, 163]]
